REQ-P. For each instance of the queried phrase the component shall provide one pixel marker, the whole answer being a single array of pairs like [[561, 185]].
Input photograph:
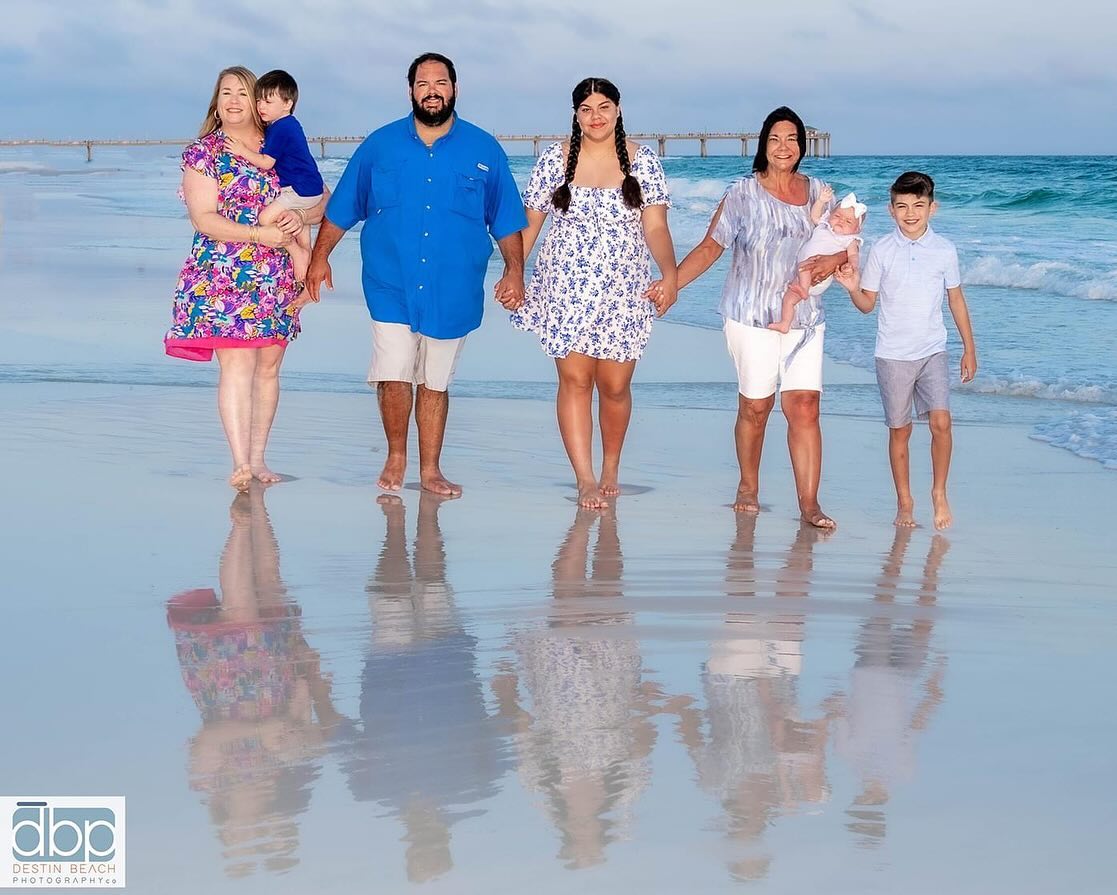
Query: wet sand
[[310, 689]]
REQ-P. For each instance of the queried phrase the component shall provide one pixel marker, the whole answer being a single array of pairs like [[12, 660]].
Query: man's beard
[[433, 119]]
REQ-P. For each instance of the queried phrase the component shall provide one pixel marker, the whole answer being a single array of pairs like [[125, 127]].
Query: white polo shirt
[[911, 278]]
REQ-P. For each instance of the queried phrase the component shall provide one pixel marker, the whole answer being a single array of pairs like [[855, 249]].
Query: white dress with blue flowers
[[587, 289]]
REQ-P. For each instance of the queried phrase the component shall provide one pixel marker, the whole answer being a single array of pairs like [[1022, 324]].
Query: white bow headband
[[859, 208]]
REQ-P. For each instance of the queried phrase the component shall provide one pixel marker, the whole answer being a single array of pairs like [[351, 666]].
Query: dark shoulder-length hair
[[783, 113]]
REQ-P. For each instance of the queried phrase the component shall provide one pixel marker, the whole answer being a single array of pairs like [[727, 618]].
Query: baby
[[285, 149], [836, 233]]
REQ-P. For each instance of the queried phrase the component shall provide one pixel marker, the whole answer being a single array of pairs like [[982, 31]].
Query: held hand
[[289, 222], [509, 291], [663, 294], [272, 236], [848, 276], [820, 267], [300, 302], [969, 366], [318, 272]]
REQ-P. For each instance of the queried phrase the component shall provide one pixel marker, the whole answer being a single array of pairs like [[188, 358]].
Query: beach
[[503, 691]]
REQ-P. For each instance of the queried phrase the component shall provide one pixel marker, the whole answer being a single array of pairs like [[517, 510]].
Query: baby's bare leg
[[795, 293], [271, 211], [299, 251]]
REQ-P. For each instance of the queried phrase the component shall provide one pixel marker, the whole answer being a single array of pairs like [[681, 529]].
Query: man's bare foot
[[590, 496], [746, 501], [391, 476], [608, 484], [241, 477], [812, 514], [261, 473], [435, 482], [905, 514], [781, 327], [943, 516]]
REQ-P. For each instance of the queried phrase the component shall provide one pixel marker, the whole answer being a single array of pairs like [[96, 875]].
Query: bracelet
[[253, 233]]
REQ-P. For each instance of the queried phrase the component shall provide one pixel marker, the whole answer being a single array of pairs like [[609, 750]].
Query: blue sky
[[954, 76]]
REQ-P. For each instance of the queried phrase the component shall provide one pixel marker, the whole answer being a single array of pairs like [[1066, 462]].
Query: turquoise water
[[1037, 239]]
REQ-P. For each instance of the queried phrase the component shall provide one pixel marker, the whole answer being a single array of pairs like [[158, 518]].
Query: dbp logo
[[64, 841], [43, 832]]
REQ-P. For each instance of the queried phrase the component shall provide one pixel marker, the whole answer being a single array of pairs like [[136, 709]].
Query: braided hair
[[631, 192]]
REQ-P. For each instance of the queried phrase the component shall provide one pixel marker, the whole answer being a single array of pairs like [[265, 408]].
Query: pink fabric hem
[[189, 611], [202, 349]]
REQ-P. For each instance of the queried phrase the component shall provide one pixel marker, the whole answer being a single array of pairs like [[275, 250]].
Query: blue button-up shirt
[[428, 213]]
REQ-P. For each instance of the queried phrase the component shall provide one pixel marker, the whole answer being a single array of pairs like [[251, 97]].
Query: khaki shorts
[[400, 355], [288, 198], [760, 356]]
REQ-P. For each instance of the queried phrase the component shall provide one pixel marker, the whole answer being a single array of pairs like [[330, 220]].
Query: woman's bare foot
[[905, 514], [391, 476], [812, 514], [434, 481], [610, 475], [590, 496], [943, 516], [241, 477], [261, 473], [746, 501]]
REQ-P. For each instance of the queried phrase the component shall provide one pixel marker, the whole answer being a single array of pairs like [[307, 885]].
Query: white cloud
[[881, 76]]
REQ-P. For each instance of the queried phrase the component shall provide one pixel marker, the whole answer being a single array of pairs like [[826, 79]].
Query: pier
[[818, 142]]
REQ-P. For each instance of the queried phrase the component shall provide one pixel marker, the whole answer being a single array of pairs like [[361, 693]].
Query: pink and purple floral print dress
[[232, 294]]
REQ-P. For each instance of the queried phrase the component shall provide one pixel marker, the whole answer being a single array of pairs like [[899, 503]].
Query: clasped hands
[[663, 293], [509, 290]]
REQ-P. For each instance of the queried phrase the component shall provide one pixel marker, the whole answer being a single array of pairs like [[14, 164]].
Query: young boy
[[909, 269], [285, 149]]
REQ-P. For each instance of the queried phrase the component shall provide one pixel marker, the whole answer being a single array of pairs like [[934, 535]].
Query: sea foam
[[1088, 433], [1057, 277]]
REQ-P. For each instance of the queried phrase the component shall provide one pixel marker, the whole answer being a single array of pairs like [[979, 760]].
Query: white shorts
[[400, 355], [760, 355], [288, 198]]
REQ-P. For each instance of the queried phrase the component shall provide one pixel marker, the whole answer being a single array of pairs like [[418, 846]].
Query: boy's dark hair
[[783, 113], [278, 81], [913, 183], [431, 57]]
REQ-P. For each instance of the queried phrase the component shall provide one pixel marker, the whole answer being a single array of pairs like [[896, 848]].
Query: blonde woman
[[237, 296]]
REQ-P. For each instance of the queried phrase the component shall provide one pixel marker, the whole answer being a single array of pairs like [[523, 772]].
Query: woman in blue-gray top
[[766, 219]]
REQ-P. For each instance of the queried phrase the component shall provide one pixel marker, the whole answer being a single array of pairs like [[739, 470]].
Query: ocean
[[1036, 236]]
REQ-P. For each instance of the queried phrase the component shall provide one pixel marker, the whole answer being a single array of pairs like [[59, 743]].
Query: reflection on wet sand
[[584, 736], [753, 747], [426, 748], [893, 689], [265, 705]]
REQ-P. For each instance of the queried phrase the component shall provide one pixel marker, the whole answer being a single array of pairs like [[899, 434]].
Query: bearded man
[[430, 188]]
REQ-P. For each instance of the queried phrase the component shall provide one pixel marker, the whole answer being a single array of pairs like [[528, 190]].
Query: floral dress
[[234, 670], [587, 290], [232, 294]]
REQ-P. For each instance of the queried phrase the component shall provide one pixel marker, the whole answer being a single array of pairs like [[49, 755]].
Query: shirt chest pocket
[[385, 190], [468, 198]]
